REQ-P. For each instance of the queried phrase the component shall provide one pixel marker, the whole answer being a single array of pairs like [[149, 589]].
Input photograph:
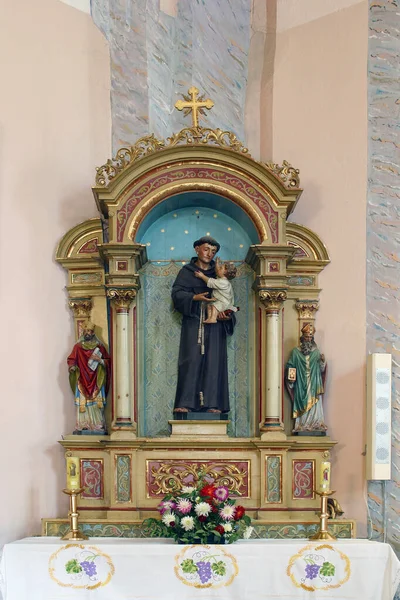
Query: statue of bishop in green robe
[[305, 379]]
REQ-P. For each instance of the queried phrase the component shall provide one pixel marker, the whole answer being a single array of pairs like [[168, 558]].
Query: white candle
[[73, 473], [325, 478]]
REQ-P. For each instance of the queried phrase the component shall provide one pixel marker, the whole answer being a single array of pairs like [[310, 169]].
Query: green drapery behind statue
[[159, 328]]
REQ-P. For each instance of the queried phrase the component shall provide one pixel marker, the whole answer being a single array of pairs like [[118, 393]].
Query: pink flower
[[227, 512], [184, 506], [166, 505], [221, 493]]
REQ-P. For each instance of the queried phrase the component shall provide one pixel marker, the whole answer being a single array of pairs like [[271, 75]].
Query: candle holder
[[323, 533], [74, 533]]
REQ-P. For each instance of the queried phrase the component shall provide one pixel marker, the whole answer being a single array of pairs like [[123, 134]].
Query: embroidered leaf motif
[[72, 566], [327, 569], [188, 566], [219, 567]]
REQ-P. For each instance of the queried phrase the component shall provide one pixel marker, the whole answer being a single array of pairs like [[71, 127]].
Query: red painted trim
[[141, 187], [112, 363], [135, 383], [260, 378], [283, 368]]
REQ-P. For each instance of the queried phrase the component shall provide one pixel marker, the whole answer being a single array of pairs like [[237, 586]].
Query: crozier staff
[[203, 364]]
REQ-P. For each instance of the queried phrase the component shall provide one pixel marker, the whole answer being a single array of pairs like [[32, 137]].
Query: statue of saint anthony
[[203, 364]]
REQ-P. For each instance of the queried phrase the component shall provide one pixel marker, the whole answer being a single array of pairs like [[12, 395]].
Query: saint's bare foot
[[181, 410], [213, 410]]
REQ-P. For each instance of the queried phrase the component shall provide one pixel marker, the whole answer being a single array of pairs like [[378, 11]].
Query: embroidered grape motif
[[204, 571], [89, 567], [312, 571]]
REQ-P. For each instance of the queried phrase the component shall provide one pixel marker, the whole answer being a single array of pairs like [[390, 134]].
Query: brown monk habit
[[202, 378]]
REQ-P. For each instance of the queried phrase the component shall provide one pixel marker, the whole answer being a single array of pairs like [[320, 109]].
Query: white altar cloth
[[135, 569]]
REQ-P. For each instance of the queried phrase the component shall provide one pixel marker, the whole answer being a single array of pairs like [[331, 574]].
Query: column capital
[[307, 308], [272, 299], [121, 298], [81, 307]]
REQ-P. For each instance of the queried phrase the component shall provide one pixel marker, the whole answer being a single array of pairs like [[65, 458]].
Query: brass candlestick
[[74, 533], [323, 533]]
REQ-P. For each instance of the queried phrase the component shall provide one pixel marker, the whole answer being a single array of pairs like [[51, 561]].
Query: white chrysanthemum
[[187, 523], [227, 527], [202, 509], [169, 518], [247, 532], [187, 489], [227, 512]]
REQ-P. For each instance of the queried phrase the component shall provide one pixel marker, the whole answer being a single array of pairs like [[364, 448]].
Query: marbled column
[[158, 50], [273, 301], [123, 405], [383, 257]]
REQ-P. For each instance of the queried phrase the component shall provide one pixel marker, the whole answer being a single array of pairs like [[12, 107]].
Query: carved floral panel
[[303, 474], [273, 479], [164, 476], [123, 478], [92, 479]]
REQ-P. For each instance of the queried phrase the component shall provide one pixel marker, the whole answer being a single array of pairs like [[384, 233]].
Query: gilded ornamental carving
[[81, 307], [272, 299], [149, 144], [288, 174], [121, 298], [307, 309], [167, 476]]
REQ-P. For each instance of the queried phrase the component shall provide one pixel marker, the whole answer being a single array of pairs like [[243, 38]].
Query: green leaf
[[72, 566], [219, 567], [188, 566], [327, 569]]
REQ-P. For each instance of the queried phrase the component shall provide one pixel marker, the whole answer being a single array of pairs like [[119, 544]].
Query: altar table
[[135, 569]]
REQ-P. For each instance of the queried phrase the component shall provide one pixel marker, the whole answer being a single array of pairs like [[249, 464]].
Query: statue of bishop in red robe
[[89, 377]]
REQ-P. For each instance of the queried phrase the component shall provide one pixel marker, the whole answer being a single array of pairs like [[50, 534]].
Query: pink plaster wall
[[320, 126], [54, 130]]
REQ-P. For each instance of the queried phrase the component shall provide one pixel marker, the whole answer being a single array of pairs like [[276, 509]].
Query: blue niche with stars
[[170, 229]]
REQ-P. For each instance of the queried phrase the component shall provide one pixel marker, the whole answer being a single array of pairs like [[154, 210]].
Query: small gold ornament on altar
[[73, 490], [324, 492]]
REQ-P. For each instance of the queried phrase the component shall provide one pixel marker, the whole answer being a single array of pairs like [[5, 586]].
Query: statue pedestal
[[208, 428]]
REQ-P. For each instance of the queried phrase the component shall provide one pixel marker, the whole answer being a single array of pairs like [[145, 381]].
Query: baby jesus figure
[[223, 293]]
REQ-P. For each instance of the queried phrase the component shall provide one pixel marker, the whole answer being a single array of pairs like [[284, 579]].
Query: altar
[[154, 200], [109, 569]]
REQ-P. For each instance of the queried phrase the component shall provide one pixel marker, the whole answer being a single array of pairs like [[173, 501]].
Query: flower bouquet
[[204, 514]]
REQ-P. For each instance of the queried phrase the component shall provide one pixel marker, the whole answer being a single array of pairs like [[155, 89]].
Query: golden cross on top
[[194, 104]]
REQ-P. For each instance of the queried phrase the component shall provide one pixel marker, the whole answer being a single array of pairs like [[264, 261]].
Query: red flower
[[208, 490], [239, 513], [220, 529], [202, 518], [214, 508]]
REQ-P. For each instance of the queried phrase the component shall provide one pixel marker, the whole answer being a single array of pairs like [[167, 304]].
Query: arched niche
[[169, 230]]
